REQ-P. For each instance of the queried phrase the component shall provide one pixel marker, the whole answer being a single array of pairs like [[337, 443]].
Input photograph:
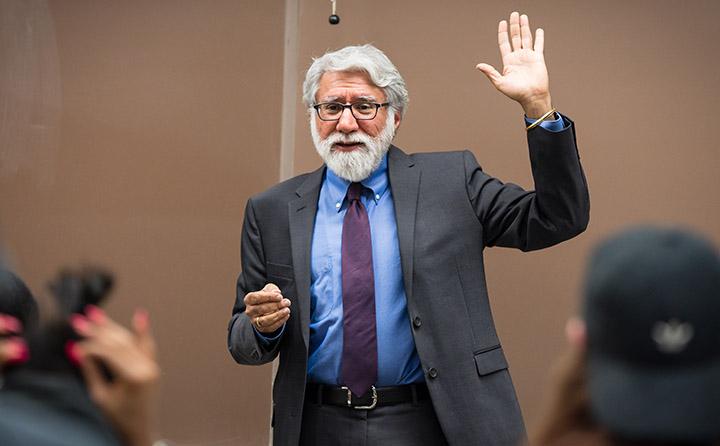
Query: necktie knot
[[354, 191]]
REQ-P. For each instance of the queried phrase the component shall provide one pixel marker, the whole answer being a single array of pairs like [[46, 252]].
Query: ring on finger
[[257, 322]]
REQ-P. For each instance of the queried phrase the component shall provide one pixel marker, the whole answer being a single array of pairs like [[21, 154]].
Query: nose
[[347, 122]]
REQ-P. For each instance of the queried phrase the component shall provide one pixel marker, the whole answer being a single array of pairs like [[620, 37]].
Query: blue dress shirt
[[398, 361]]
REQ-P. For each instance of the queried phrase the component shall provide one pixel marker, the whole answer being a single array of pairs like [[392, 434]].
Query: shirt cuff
[[552, 125], [267, 339]]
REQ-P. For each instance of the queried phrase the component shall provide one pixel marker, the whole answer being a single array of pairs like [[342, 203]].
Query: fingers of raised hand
[[525, 33], [503, 40], [515, 37], [519, 34], [539, 40]]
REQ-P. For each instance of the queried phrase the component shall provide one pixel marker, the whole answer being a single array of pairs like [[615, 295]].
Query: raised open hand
[[524, 77]]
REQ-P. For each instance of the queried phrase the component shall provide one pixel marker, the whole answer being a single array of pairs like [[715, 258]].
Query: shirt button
[[432, 372], [377, 197], [337, 205], [417, 322]]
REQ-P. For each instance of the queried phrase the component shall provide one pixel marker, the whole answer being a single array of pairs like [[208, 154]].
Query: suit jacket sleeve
[[243, 344], [558, 208]]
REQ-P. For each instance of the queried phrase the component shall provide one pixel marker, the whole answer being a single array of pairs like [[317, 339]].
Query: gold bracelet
[[540, 119]]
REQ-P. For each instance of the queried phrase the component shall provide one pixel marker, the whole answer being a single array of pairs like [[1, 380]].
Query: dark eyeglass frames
[[362, 111]]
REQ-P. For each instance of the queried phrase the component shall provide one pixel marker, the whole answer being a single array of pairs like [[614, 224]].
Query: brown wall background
[[165, 123], [132, 133]]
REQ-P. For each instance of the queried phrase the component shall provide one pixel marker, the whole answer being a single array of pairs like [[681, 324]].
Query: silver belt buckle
[[349, 399]]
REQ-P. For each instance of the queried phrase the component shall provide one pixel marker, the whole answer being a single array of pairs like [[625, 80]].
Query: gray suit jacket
[[448, 210]]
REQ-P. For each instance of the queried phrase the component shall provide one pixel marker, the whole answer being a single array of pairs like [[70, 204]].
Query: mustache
[[352, 138]]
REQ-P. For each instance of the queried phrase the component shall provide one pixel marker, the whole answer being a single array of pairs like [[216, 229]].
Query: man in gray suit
[[391, 339]]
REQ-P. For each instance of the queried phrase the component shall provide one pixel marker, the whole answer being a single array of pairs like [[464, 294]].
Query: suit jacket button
[[432, 372], [417, 322]]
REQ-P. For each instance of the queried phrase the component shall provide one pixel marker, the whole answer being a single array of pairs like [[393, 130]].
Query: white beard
[[357, 165]]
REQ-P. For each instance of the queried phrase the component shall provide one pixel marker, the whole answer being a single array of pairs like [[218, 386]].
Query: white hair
[[365, 58]]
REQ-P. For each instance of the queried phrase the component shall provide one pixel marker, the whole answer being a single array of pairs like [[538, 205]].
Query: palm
[[524, 76]]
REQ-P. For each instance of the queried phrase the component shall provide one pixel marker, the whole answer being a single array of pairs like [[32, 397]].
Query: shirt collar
[[377, 182]]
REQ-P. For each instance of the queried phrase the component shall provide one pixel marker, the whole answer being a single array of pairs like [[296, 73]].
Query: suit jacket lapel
[[301, 216], [404, 179]]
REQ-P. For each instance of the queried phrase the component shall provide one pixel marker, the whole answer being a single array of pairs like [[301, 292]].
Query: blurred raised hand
[[129, 357]]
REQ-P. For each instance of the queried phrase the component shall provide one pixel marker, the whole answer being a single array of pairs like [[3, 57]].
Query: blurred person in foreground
[[644, 369], [86, 380]]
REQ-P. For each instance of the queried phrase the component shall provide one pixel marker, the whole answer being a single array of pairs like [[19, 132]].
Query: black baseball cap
[[652, 309]]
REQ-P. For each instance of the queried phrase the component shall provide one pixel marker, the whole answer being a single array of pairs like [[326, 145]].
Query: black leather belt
[[376, 396]]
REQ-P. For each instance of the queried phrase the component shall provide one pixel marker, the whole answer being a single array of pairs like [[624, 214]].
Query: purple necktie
[[359, 357]]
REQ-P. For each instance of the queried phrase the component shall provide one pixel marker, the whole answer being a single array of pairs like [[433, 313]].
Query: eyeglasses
[[362, 111]]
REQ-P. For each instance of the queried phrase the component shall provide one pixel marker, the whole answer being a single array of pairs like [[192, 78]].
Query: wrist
[[536, 107]]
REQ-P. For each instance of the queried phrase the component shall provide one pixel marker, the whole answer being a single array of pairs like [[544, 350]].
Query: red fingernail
[[95, 314], [142, 319], [17, 351], [10, 323], [72, 352], [79, 323]]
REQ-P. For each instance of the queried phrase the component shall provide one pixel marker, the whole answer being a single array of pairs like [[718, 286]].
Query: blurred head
[[353, 140], [73, 290], [16, 299], [652, 318]]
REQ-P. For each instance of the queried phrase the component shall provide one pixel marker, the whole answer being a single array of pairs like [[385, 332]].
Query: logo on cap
[[672, 336]]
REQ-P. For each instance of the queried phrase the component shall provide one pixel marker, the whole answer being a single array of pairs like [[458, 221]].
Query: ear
[[576, 333], [397, 120]]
